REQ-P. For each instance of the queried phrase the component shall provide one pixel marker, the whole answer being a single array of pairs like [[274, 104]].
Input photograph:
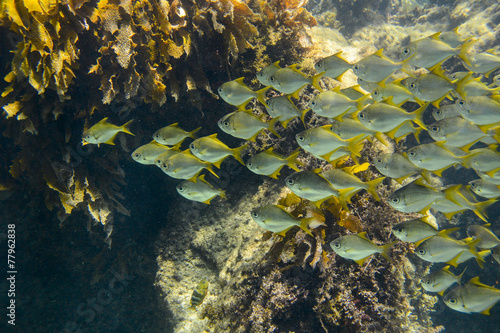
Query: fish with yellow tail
[[395, 90], [484, 188], [396, 166], [311, 186], [359, 248], [433, 87], [431, 51], [210, 149], [147, 154], [488, 239], [283, 107], [199, 294], [104, 132], [268, 163], [481, 110], [333, 66], [483, 159], [239, 94], [483, 63], [244, 125], [472, 297], [265, 73], [439, 281], [435, 157], [200, 191], [276, 219], [344, 179], [173, 135], [334, 104], [377, 67], [290, 80], [414, 230], [185, 165], [442, 248]]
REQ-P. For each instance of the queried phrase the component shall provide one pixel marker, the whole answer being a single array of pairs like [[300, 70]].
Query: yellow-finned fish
[[395, 90], [375, 67], [442, 248], [466, 255], [433, 156], [416, 197], [439, 281], [472, 297], [265, 73], [290, 80], [349, 128], [185, 165], [200, 191], [333, 104], [481, 110], [173, 135], [396, 166], [104, 132], [321, 142], [199, 294], [456, 131], [358, 248], [311, 186], [488, 239], [483, 63], [414, 230], [383, 117], [283, 107], [333, 66], [483, 159], [344, 179], [276, 219], [239, 94], [491, 177], [268, 163], [484, 188], [430, 87], [244, 125], [368, 86], [147, 154], [430, 51], [210, 149]]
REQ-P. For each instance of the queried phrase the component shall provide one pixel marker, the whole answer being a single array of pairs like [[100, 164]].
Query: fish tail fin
[[303, 116], [261, 95], [222, 194], [315, 81], [472, 249], [304, 225], [126, 127], [459, 277], [192, 134], [272, 126], [419, 116], [356, 144], [373, 185], [292, 161], [481, 207], [386, 249], [237, 153], [465, 48]]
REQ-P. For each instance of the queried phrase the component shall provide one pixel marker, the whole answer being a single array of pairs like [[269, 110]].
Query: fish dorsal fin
[[276, 63], [202, 178], [475, 281], [336, 89], [240, 80], [103, 121], [447, 269], [436, 36], [213, 136], [363, 235], [445, 233], [380, 53]]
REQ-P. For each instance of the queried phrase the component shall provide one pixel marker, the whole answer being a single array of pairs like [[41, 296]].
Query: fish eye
[[180, 188], [319, 64], [137, 155], [421, 251], [249, 164], [461, 102], [356, 67], [438, 112], [375, 93], [361, 115], [272, 79], [290, 181], [165, 166], [254, 214], [191, 146], [411, 154], [399, 230], [313, 103], [220, 90], [87, 136], [336, 245], [412, 86], [300, 138], [426, 281], [226, 124], [473, 185], [395, 200], [406, 51], [452, 301], [435, 128], [379, 160]]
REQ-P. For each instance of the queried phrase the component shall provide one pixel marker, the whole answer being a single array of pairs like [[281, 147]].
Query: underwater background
[[106, 244]]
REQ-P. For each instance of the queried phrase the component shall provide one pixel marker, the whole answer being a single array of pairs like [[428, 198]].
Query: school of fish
[[466, 133]]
